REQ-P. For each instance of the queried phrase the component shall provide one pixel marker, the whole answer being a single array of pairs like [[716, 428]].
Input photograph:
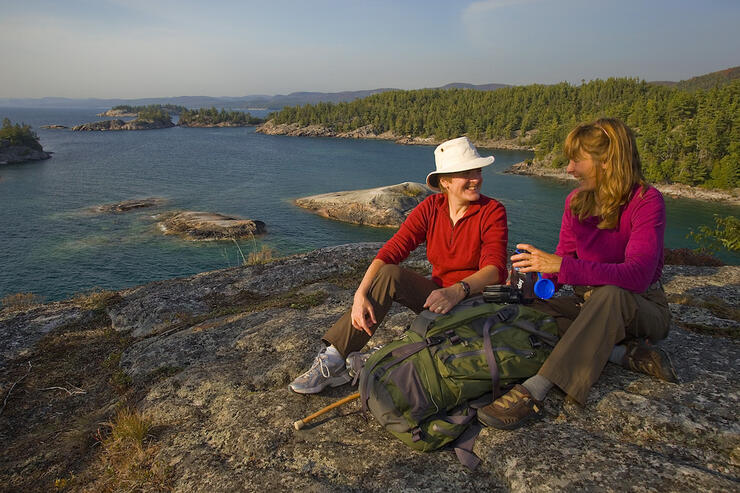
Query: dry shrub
[[128, 457], [262, 256], [686, 256], [97, 299], [21, 301]]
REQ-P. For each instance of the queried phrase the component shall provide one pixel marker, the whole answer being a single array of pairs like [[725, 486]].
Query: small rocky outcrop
[[384, 206], [20, 153], [210, 357], [54, 126], [128, 205], [193, 225], [118, 124]]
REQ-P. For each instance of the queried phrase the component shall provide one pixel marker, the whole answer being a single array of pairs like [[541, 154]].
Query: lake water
[[51, 245]]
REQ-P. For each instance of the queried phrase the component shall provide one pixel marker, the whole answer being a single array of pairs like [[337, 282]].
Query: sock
[[617, 356], [335, 357], [538, 386]]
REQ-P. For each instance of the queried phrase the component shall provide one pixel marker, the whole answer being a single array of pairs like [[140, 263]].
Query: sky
[[160, 48]]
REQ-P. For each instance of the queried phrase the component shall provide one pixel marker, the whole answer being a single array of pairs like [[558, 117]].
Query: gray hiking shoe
[[323, 373]]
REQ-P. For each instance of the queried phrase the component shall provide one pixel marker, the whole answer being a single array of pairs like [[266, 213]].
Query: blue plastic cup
[[544, 288]]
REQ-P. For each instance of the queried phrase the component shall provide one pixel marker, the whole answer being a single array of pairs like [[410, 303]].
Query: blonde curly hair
[[612, 146]]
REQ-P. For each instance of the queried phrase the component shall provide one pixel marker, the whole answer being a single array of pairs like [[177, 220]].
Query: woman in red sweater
[[465, 233]]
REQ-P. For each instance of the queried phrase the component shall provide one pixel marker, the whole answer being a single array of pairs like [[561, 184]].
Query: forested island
[[160, 116], [123, 110], [205, 117], [685, 136], [18, 143]]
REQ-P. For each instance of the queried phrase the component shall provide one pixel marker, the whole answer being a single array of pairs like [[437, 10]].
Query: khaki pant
[[392, 283], [591, 324]]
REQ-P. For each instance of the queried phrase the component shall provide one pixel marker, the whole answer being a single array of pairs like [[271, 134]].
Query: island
[[125, 110], [18, 144], [382, 207], [205, 117], [150, 118], [206, 226]]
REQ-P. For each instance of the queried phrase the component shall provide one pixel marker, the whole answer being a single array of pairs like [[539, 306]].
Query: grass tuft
[[97, 299], [264, 255], [21, 301]]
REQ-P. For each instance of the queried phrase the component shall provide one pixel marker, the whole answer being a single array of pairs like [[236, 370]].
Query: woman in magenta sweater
[[465, 234], [611, 251]]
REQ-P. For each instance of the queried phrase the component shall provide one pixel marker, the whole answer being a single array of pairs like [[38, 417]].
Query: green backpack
[[425, 387]]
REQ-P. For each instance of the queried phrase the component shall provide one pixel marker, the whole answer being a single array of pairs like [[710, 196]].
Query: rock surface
[[128, 205], [55, 126], [194, 225], [225, 344], [383, 206], [119, 124], [19, 154]]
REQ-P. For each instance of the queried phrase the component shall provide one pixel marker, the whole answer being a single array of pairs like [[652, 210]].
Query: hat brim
[[481, 162]]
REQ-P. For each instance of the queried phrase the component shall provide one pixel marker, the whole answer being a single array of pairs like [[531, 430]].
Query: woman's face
[[463, 186], [583, 168]]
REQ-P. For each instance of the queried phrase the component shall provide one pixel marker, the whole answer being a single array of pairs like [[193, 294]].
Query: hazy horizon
[[132, 49]]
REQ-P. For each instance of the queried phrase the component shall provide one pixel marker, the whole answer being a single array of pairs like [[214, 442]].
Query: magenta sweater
[[629, 256]]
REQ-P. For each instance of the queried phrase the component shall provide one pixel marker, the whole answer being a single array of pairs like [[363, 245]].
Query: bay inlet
[[54, 245]]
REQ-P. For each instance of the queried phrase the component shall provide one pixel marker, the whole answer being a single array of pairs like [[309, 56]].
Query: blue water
[[52, 245]]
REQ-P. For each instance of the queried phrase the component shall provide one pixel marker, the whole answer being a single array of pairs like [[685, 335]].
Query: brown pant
[[591, 324], [393, 283]]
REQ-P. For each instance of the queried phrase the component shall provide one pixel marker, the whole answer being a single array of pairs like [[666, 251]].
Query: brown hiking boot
[[512, 410], [650, 360]]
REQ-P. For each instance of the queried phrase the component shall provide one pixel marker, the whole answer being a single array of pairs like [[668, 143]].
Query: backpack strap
[[506, 313], [528, 326], [490, 357]]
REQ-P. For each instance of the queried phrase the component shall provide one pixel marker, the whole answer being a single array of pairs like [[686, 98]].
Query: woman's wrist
[[464, 287]]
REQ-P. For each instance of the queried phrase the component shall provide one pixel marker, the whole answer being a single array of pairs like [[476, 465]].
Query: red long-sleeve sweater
[[478, 239]]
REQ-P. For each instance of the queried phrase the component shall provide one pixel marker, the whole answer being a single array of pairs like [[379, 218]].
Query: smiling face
[[463, 186], [583, 168]]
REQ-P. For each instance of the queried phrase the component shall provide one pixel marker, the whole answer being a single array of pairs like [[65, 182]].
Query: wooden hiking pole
[[303, 422]]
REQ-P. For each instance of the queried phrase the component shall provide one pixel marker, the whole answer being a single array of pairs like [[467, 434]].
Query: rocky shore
[[381, 207], [205, 226], [206, 361], [534, 168], [118, 124], [369, 132], [10, 154]]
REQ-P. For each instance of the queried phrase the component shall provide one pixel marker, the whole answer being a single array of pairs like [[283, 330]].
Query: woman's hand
[[442, 300], [535, 260], [363, 314]]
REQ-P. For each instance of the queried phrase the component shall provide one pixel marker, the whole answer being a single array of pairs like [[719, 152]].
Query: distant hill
[[706, 81], [275, 102], [279, 101]]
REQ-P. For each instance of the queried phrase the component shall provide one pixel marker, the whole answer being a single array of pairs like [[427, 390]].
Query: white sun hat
[[455, 155]]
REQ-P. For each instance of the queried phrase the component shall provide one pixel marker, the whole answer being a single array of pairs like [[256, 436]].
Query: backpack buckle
[[434, 340], [416, 434]]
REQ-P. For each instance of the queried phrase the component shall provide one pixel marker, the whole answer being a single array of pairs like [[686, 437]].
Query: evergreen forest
[[212, 116], [684, 136], [18, 135]]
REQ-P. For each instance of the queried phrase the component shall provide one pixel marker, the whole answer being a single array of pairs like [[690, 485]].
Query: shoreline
[[529, 168], [674, 190]]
